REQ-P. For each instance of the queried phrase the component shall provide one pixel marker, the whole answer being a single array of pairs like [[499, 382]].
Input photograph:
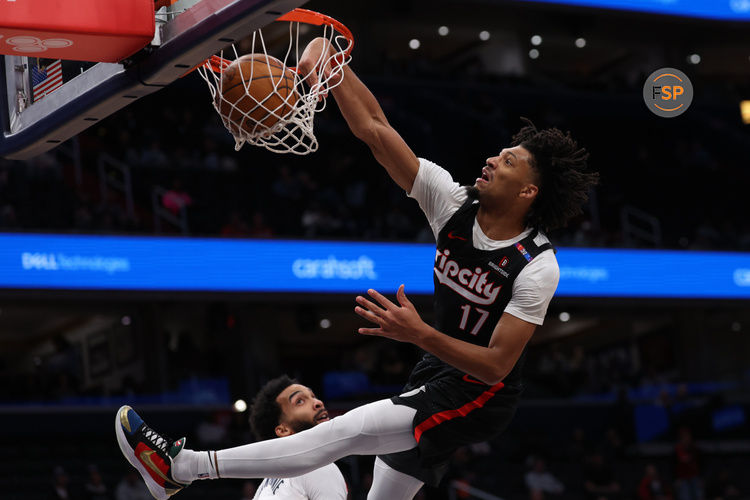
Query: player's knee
[[348, 425]]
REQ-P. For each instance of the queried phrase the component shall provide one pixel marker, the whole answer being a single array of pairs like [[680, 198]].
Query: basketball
[[256, 92]]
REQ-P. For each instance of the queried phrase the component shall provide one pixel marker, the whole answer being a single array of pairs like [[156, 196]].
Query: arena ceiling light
[[694, 58], [484, 35], [534, 54], [414, 44], [536, 40], [443, 31], [580, 42]]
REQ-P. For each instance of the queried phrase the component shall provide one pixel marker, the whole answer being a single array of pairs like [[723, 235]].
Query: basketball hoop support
[[186, 41]]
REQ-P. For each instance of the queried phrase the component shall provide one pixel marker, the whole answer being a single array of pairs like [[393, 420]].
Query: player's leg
[[366, 430], [390, 484], [376, 428]]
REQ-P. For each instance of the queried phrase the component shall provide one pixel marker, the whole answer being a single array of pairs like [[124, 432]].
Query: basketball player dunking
[[495, 273]]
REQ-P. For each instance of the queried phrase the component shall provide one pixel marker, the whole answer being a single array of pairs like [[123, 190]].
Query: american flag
[[46, 79]]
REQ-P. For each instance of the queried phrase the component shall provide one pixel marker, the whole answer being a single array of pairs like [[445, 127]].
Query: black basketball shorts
[[451, 412]]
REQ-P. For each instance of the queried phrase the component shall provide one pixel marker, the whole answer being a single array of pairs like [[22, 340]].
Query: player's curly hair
[[265, 411], [564, 180]]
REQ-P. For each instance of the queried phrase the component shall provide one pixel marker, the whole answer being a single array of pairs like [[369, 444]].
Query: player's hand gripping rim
[[398, 322], [316, 62]]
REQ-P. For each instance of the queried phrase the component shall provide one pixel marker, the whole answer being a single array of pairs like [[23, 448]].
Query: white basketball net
[[293, 130]]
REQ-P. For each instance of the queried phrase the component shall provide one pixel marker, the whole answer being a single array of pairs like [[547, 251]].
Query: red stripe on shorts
[[447, 415]]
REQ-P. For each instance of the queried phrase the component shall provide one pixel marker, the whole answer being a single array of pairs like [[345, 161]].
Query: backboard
[[187, 33]]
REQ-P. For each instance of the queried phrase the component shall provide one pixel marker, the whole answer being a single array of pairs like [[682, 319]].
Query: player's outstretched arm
[[401, 322], [365, 118]]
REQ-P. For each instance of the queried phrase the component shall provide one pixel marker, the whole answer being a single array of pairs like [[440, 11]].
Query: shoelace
[[163, 443]]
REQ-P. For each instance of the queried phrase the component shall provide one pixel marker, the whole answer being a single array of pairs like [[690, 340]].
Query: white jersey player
[[281, 408], [321, 484]]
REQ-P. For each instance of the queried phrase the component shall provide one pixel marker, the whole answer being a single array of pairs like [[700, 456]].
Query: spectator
[[110, 214], [236, 227], [94, 488], [463, 471], [63, 367], [131, 487], [259, 228], [213, 433], [60, 490], [722, 487], [688, 481], [8, 217], [176, 198], [579, 446], [652, 487], [613, 446], [211, 157], [541, 482], [288, 187], [83, 218], [599, 481], [392, 367], [317, 220], [154, 156]]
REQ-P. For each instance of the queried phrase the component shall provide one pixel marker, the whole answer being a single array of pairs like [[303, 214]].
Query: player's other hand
[[315, 62], [398, 322]]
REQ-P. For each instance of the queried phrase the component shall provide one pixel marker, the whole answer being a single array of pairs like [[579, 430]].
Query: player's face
[[507, 176], [300, 410]]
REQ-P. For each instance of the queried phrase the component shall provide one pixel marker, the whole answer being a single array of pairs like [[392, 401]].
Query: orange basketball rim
[[218, 64], [293, 132]]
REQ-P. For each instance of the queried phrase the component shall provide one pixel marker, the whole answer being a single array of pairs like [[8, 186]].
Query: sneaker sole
[[156, 491]]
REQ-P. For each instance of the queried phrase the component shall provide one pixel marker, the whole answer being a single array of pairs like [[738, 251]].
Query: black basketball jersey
[[472, 288]]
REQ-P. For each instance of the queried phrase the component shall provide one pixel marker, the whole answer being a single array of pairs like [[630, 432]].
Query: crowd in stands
[[582, 466], [129, 487], [596, 471], [174, 140]]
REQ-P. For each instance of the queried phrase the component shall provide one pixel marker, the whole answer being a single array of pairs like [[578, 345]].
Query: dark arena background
[[645, 351]]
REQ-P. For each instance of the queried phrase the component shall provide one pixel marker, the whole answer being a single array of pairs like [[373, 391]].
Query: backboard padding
[[184, 42]]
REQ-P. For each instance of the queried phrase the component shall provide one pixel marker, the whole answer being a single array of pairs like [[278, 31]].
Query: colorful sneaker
[[149, 452]]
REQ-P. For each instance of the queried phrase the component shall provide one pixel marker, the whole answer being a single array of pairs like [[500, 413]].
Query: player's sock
[[191, 465]]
